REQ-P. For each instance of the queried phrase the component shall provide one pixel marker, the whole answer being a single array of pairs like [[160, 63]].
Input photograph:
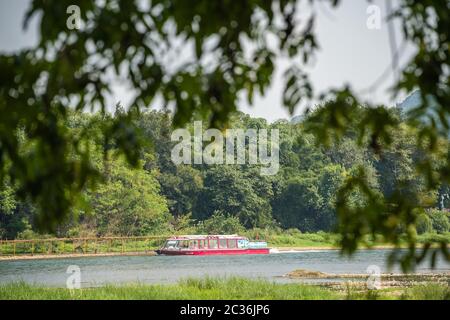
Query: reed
[[210, 288], [197, 289]]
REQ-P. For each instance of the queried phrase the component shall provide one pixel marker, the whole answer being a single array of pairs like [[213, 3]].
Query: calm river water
[[96, 271]]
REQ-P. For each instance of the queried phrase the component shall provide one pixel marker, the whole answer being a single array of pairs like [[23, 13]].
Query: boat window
[[223, 243], [200, 244], [184, 244], [193, 244], [231, 243], [242, 243], [170, 244], [213, 243]]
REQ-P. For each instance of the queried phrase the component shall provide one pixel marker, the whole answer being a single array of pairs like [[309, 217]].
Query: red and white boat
[[212, 245]]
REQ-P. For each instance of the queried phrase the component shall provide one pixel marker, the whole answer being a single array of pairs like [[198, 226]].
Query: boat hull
[[209, 252]]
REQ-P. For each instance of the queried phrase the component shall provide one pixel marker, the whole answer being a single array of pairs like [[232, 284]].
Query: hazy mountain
[[413, 101], [297, 119]]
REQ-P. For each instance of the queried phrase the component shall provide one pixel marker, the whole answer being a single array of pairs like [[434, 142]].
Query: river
[[96, 271]]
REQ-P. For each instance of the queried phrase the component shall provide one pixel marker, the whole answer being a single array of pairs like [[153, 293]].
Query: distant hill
[[413, 101], [297, 119]]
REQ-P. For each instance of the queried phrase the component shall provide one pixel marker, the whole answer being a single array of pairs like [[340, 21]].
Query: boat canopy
[[212, 244], [206, 236]]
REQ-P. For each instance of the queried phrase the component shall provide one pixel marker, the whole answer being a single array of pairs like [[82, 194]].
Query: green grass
[[430, 291], [198, 289], [220, 288]]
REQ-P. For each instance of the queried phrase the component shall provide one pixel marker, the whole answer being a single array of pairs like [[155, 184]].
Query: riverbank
[[280, 249], [139, 253], [218, 289], [153, 253], [74, 255], [49, 248]]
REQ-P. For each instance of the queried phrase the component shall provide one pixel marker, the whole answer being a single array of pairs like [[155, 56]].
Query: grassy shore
[[220, 288], [198, 289]]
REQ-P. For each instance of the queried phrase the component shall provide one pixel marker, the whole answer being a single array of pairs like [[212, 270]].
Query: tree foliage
[[129, 203]]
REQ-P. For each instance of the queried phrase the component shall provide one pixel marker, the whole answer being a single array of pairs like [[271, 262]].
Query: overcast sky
[[350, 53]]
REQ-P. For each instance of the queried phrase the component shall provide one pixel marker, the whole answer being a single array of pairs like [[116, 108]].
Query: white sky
[[350, 53]]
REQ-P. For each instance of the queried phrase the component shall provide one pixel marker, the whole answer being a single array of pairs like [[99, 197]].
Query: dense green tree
[[235, 193], [156, 128], [8, 205], [396, 165], [181, 188], [440, 221], [311, 157], [424, 224], [330, 180], [129, 203], [299, 204], [347, 153], [219, 223]]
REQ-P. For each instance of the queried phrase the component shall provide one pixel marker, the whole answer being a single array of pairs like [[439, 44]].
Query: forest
[[154, 196]]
